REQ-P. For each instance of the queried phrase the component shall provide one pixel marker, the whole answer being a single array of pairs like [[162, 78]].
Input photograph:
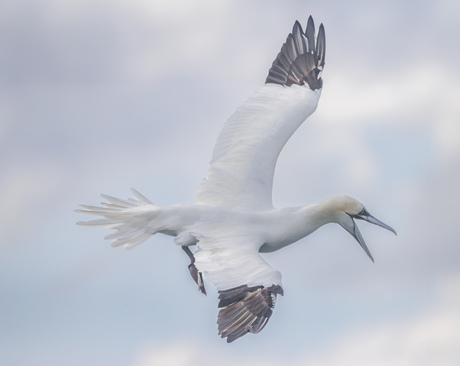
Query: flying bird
[[233, 219]]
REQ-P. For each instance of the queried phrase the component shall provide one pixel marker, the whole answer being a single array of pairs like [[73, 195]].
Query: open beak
[[354, 231], [369, 218]]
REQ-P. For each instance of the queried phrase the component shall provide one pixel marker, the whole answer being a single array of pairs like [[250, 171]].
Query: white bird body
[[274, 228], [233, 218]]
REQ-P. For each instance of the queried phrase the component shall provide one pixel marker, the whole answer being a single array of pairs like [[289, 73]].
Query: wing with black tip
[[247, 284], [244, 158]]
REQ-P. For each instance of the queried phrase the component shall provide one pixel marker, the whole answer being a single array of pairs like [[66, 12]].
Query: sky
[[101, 96]]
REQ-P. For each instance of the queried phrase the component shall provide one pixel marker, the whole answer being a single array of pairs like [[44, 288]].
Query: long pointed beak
[[369, 218], [354, 231]]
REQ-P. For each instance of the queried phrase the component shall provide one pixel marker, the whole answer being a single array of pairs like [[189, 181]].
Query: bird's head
[[347, 209]]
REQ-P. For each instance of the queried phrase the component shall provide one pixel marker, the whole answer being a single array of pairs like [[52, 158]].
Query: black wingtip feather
[[245, 310], [301, 59], [321, 46], [310, 34]]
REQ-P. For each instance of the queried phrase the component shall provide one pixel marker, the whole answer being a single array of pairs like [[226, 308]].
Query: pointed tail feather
[[133, 219]]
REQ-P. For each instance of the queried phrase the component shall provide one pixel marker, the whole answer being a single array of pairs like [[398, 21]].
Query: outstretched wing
[[243, 163], [247, 285], [245, 310]]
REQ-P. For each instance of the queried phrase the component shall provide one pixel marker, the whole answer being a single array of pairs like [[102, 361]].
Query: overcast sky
[[100, 96]]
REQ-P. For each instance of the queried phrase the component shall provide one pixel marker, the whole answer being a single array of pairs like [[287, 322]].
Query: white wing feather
[[243, 163], [231, 261]]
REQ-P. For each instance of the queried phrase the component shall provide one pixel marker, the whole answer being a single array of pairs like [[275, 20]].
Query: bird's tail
[[133, 219]]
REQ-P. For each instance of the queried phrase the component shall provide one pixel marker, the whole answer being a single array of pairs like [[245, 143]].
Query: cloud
[[83, 42], [29, 191], [429, 338], [189, 352], [424, 339]]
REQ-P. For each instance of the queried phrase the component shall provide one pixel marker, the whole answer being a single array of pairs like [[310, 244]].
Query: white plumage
[[244, 158], [233, 218]]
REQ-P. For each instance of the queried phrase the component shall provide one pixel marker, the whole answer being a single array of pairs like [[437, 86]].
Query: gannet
[[233, 219]]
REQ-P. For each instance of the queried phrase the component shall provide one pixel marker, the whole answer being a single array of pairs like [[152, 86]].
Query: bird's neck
[[320, 213], [293, 224]]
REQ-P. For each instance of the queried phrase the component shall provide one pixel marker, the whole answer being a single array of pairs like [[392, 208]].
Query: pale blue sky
[[100, 96]]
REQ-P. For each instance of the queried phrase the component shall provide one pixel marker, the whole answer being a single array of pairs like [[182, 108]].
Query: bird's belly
[[272, 247], [283, 235]]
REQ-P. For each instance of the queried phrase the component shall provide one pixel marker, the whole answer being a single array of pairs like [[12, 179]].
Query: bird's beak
[[369, 218], [354, 231]]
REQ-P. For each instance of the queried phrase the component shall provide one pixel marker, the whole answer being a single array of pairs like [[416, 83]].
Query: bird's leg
[[197, 276]]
